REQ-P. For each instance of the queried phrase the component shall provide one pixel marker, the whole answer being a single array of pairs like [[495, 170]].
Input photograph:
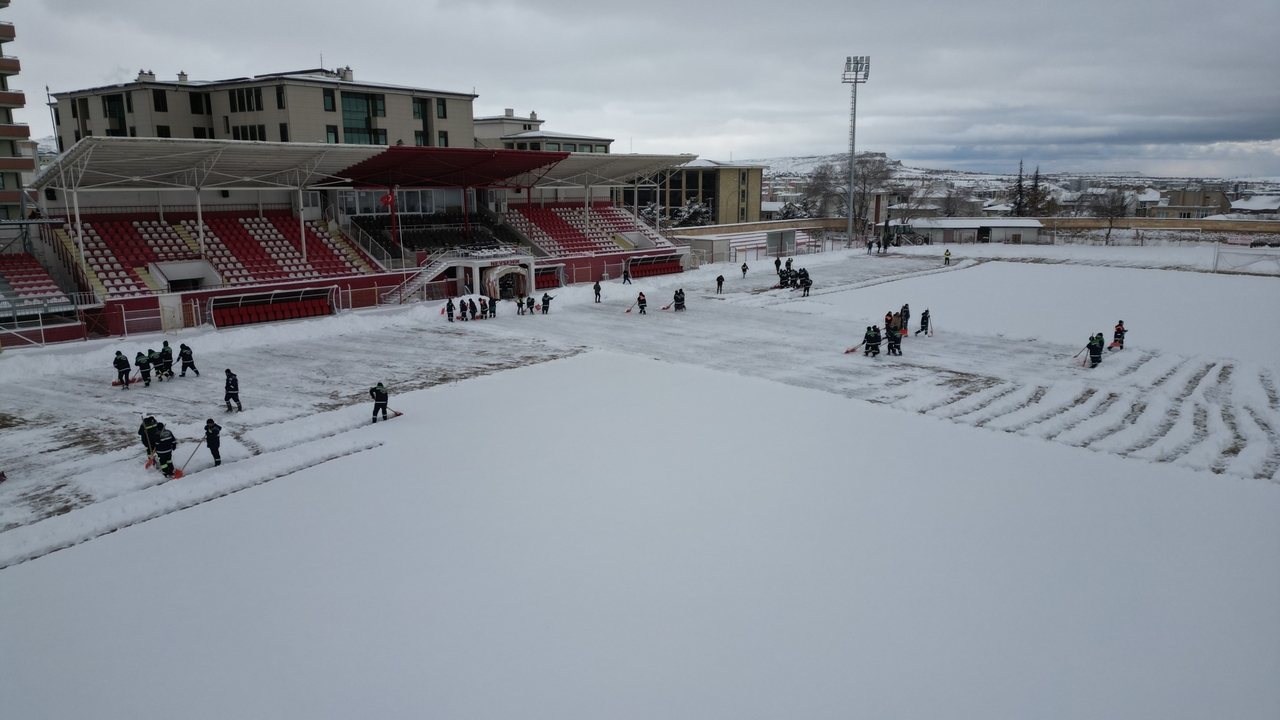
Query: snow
[[609, 562], [596, 513]]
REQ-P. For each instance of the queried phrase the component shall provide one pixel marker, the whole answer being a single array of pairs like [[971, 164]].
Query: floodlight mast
[[856, 70]]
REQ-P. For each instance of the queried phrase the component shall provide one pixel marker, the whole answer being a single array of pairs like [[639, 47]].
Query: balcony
[[12, 99], [15, 131], [17, 164], [9, 65], [6, 31], [10, 197]]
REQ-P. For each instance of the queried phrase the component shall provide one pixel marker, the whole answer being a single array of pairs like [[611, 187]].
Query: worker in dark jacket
[[924, 323], [188, 362], [166, 443], [1118, 337], [719, 284], [906, 318], [484, 308], [121, 364], [232, 391], [213, 440], [596, 289], [1095, 350], [744, 270], [156, 364], [493, 308], [148, 433], [471, 306], [448, 309], [379, 395], [144, 368], [529, 302], [166, 360], [546, 303], [642, 302]]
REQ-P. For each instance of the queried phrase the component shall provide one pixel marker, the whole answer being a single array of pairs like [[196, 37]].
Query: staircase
[[193, 243], [95, 284], [356, 256], [433, 266], [149, 280]]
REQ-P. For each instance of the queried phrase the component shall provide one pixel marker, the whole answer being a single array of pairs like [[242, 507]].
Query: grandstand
[[24, 283], [255, 219]]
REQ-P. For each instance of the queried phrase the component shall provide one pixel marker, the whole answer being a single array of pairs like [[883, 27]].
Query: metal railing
[[34, 332]]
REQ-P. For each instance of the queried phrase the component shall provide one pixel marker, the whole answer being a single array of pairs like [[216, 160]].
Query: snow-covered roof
[[769, 206], [969, 223], [1149, 195], [704, 163], [547, 135], [1257, 203]]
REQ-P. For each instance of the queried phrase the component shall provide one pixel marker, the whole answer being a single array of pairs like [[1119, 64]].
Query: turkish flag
[[388, 200]]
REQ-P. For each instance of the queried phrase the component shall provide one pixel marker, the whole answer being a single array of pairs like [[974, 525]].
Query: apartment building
[[316, 106], [14, 163]]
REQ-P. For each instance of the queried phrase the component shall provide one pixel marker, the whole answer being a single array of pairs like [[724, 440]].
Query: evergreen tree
[[1019, 198]]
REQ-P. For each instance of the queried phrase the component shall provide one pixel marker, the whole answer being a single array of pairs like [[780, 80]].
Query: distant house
[[1257, 205], [1144, 201], [1190, 203], [976, 229], [770, 210]]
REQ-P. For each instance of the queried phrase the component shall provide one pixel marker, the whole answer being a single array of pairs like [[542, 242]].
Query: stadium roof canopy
[[120, 163], [607, 170], [405, 166], [102, 164]]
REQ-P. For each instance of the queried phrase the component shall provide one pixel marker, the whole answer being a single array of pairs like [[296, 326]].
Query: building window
[[284, 132], [198, 133], [419, 138], [379, 105], [74, 115], [61, 144], [331, 134], [133, 131], [602, 148], [197, 103], [226, 124], [441, 110], [128, 101], [570, 147], [535, 146], [554, 147], [509, 146], [1184, 215], [57, 117], [161, 99], [279, 97], [77, 136], [379, 136], [443, 138], [522, 146], [418, 111], [210, 133], [330, 104], [163, 131]]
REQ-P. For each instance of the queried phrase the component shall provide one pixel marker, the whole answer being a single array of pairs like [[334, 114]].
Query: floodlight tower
[[856, 70]]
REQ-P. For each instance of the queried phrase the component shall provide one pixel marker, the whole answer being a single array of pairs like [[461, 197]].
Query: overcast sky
[[1168, 88]]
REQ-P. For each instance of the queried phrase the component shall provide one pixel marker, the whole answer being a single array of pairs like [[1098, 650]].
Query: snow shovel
[[132, 379], [633, 305], [178, 473], [853, 349]]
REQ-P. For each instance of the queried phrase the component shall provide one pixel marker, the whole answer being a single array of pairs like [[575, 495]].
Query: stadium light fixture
[[856, 70]]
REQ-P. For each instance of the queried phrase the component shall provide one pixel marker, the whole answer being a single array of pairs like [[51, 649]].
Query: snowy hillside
[[717, 513]]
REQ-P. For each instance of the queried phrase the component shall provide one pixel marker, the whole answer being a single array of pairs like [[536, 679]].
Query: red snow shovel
[[853, 349], [132, 380], [178, 473], [632, 305]]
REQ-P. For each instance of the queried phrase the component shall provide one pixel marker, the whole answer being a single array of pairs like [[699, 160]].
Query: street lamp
[[856, 69]]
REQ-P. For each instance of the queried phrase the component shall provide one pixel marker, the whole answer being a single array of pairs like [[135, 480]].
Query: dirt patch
[[10, 421]]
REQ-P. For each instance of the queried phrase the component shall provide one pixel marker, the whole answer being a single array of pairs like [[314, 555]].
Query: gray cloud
[[1175, 87]]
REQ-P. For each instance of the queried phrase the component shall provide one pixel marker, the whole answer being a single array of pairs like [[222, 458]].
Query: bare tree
[[1113, 204], [822, 189], [870, 176], [953, 203]]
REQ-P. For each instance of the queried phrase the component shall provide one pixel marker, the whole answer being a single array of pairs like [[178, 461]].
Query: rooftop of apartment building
[[340, 76]]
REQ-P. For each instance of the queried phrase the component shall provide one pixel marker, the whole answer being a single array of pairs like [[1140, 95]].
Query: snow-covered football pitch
[[595, 513]]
